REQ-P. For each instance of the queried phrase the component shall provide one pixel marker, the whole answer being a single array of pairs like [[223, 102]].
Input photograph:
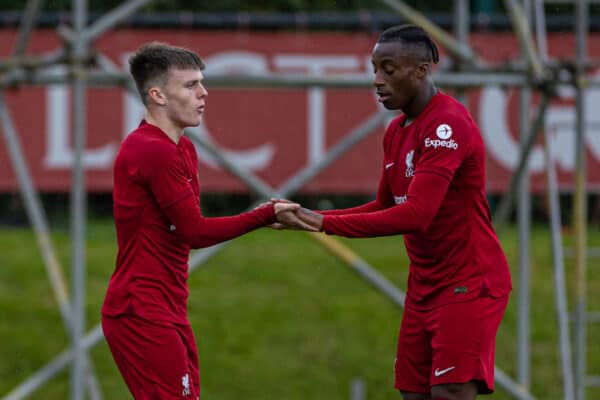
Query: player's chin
[[391, 104], [195, 121]]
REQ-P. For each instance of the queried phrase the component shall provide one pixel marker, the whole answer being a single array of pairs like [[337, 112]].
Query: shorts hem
[[412, 389]]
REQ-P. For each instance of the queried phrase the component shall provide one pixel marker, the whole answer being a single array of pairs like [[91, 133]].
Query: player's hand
[[286, 213], [311, 218], [261, 205], [278, 200], [272, 201]]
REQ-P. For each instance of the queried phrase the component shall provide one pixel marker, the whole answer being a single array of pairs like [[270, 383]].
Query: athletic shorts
[[157, 362], [453, 343]]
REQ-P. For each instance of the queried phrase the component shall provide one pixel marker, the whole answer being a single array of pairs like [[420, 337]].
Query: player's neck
[[165, 124], [420, 102]]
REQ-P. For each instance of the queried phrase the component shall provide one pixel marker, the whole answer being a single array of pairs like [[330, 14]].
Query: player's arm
[[312, 219], [440, 159], [425, 195], [165, 175], [384, 199], [199, 231]]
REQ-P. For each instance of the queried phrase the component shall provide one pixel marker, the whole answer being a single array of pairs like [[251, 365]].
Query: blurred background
[[291, 112]]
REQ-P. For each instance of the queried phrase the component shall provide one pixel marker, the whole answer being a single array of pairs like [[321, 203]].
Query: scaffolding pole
[[39, 221], [558, 266], [522, 28], [78, 201], [461, 31], [524, 243], [28, 22], [506, 203], [524, 255], [580, 201], [457, 50], [53, 368], [29, 70]]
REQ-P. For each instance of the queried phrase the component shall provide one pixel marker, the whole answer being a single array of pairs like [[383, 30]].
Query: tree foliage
[[426, 6], [239, 5]]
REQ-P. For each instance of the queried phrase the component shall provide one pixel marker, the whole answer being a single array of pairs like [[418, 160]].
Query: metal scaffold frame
[[87, 68]]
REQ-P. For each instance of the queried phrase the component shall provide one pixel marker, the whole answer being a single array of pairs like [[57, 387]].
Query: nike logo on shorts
[[439, 372]]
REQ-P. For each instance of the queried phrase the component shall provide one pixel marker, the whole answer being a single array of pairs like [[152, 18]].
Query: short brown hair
[[152, 61]]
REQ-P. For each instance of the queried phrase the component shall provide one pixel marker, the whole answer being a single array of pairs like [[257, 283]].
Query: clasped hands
[[293, 216]]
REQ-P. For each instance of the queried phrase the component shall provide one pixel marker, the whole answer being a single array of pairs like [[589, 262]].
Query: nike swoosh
[[443, 371], [388, 166]]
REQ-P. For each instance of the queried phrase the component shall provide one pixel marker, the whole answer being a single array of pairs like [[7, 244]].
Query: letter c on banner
[[500, 144], [236, 62]]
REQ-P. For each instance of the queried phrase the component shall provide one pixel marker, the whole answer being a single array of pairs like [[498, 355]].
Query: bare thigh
[[455, 391], [414, 396]]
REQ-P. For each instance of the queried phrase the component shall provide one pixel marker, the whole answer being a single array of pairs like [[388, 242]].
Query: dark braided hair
[[411, 35]]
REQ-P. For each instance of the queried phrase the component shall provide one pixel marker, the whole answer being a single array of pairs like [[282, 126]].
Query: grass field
[[275, 314]]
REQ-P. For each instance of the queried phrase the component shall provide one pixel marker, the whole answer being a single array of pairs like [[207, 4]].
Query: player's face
[[185, 97], [397, 75]]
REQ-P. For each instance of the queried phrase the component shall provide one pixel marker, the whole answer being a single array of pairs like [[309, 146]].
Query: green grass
[[276, 316]]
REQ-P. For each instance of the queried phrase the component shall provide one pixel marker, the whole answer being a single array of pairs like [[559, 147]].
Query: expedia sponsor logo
[[400, 199], [435, 143], [443, 131]]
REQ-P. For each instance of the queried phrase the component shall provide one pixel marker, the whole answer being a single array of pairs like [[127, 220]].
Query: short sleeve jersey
[[151, 172], [459, 255]]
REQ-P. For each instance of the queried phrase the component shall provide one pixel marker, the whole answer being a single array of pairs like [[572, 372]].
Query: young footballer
[[158, 220], [432, 190]]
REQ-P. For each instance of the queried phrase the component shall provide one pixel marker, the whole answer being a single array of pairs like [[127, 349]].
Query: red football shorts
[[156, 361], [454, 343]]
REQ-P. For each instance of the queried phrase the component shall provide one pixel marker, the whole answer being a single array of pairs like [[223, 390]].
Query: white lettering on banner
[[559, 125], [435, 143], [255, 159], [502, 146], [59, 154], [316, 66]]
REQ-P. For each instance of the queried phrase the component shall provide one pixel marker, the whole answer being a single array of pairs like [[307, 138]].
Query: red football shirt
[[432, 190], [156, 206]]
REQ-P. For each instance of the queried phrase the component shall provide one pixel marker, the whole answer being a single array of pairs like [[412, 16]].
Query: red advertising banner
[[274, 133]]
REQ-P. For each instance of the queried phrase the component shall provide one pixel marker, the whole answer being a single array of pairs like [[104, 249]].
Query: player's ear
[[422, 69], [156, 95]]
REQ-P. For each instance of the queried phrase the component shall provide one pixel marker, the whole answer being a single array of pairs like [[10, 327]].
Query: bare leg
[[454, 391], [415, 396]]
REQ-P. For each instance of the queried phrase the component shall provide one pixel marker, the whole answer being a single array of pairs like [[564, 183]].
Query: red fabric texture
[[158, 220], [432, 190], [156, 361], [453, 343]]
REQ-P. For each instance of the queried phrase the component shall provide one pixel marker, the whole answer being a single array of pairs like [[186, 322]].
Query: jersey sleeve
[[384, 197], [164, 173], [425, 195], [383, 200], [170, 186], [444, 144], [199, 231]]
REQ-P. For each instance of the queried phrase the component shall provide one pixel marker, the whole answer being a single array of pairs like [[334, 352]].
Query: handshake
[[292, 216]]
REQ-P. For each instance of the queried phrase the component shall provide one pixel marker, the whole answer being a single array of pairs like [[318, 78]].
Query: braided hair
[[412, 35]]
